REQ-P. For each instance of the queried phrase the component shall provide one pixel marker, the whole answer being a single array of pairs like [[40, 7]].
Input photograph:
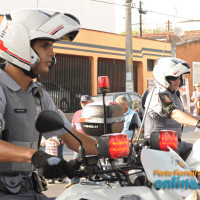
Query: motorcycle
[[147, 174]]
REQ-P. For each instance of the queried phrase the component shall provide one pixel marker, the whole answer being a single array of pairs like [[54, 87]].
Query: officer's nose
[[51, 52]]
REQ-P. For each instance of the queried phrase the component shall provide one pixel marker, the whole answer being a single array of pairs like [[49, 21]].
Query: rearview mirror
[[48, 120], [134, 122]]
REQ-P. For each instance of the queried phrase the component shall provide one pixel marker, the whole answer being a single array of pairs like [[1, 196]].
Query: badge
[[20, 110]]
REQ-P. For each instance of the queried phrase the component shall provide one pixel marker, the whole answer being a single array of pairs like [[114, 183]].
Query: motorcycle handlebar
[[91, 169]]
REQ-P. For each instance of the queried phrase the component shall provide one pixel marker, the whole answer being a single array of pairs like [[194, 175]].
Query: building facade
[[96, 53], [188, 51], [107, 50]]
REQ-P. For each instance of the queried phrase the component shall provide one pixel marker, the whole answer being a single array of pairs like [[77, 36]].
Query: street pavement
[[189, 135]]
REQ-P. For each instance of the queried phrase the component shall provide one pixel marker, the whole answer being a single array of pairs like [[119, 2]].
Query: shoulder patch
[[167, 104], [167, 99]]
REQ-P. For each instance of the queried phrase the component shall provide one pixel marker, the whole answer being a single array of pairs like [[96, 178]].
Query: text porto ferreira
[[177, 179]]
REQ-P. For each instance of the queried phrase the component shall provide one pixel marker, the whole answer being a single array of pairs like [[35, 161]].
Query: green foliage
[[144, 31]]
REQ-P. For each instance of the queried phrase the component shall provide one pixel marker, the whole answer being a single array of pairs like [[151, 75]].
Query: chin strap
[[30, 74], [53, 62]]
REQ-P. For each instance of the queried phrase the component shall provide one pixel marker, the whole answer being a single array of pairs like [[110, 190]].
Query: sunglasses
[[172, 78]]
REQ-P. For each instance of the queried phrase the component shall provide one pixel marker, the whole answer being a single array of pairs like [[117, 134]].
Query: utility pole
[[129, 65], [140, 19], [141, 12]]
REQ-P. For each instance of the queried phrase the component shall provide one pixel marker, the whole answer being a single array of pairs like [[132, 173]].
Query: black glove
[[198, 124], [53, 167]]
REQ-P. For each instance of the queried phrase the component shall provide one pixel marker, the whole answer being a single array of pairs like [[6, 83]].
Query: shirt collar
[[13, 85], [128, 111]]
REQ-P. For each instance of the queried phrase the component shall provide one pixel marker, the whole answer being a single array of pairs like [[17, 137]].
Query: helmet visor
[[172, 78]]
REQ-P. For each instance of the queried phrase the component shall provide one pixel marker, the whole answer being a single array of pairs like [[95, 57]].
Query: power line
[[168, 14], [112, 3], [145, 10]]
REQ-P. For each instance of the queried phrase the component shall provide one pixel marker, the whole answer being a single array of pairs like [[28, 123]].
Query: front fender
[[94, 192]]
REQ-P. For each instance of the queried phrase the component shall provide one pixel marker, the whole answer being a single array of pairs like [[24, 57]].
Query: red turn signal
[[118, 145], [164, 139], [168, 138]]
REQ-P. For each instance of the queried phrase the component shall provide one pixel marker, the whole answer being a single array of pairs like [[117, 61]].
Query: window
[[150, 64], [196, 72]]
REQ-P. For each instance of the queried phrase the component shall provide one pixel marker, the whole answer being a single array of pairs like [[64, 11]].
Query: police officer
[[26, 40], [166, 111]]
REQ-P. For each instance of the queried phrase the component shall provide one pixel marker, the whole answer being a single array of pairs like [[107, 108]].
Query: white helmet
[[19, 28], [169, 67]]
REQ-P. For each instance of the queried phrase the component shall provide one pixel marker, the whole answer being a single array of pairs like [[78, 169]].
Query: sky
[[182, 10], [91, 14], [158, 11]]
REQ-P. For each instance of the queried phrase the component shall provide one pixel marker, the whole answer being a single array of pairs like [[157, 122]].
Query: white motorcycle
[[148, 173]]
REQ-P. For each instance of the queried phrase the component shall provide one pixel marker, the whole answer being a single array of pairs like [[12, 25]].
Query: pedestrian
[[26, 44], [166, 111], [128, 113], [196, 93], [60, 148], [197, 110], [51, 145], [60, 155], [85, 99], [195, 97]]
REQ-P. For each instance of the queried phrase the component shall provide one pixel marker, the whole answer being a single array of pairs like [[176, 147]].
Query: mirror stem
[[81, 148], [131, 145], [145, 114]]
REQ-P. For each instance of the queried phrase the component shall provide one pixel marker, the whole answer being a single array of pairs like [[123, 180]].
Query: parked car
[[60, 95], [134, 99]]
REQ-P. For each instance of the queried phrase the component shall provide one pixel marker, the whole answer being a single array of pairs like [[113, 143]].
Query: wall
[[189, 52], [96, 44]]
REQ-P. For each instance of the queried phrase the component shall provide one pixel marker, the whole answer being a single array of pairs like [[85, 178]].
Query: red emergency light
[[103, 83]]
